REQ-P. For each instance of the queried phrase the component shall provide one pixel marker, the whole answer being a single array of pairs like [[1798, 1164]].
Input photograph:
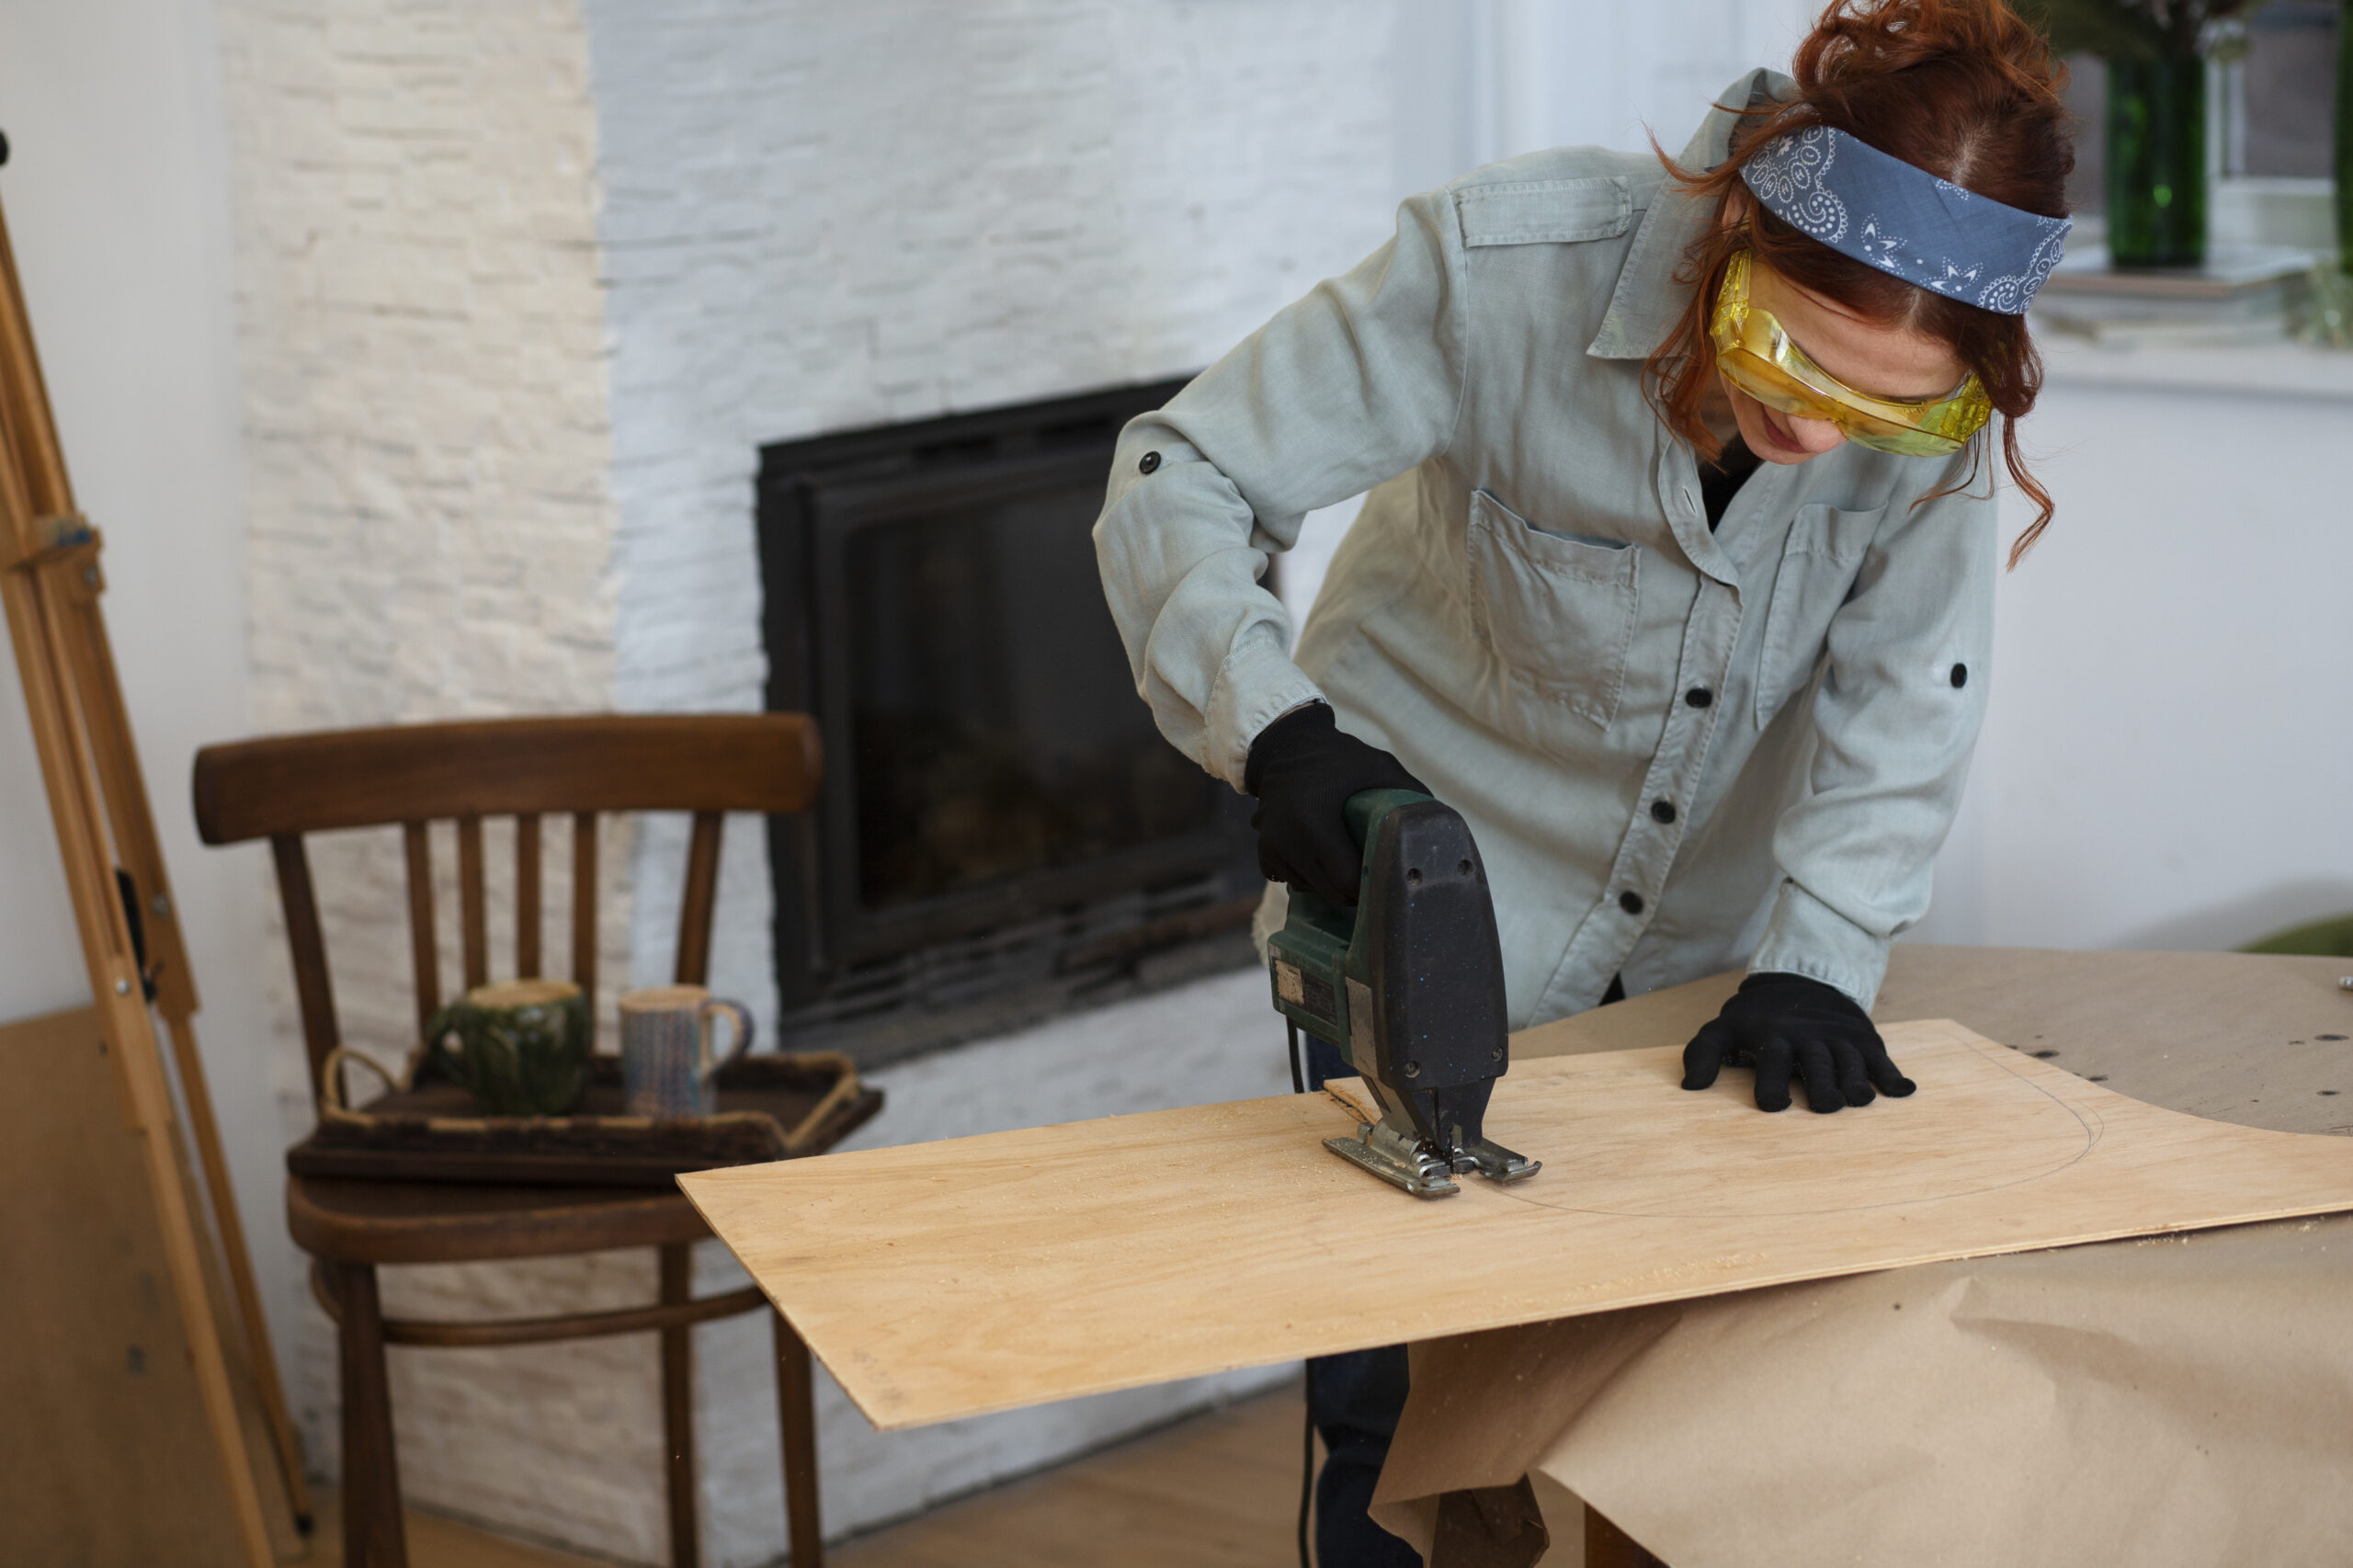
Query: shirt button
[[1151, 462], [1663, 811], [1630, 901], [1699, 697], [1960, 677]]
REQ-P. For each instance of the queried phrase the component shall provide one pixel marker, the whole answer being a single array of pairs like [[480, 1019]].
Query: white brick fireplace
[[522, 289]]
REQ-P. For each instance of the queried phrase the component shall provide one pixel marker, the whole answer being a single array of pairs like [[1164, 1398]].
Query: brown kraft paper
[[2181, 1399]]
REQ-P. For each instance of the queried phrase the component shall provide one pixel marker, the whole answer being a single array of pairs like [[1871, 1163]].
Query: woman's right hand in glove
[[1302, 768]]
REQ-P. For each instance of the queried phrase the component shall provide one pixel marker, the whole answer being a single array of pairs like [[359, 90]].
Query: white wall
[[1572, 71], [2167, 758], [1480, 80], [117, 193]]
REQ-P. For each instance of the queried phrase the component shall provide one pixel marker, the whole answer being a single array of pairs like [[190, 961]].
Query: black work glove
[[1303, 767], [1777, 1021]]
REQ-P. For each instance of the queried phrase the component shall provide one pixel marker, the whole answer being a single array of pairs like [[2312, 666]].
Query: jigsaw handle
[[1364, 812], [1309, 956]]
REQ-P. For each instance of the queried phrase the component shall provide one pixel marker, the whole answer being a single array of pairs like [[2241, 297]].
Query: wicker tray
[[770, 1108]]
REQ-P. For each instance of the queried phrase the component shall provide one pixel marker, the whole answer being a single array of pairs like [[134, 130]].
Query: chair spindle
[[474, 922], [584, 905], [526, 896], [701, 894], [424, 947], [312, 986]]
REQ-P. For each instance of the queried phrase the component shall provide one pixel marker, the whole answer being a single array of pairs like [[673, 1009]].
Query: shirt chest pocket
[[1817, 571], [1558, 610]]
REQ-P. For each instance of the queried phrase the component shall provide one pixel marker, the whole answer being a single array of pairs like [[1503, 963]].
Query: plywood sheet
[[953, 1278], [105, 1455]]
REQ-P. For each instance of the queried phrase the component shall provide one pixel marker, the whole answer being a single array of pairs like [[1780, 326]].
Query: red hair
[[1962, 88]]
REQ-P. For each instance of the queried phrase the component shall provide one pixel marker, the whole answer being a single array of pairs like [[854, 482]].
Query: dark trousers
[[1355, 1401]]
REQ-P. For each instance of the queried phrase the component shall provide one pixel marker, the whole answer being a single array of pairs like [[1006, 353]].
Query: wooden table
[[2260, 1041], [2250, 1039]]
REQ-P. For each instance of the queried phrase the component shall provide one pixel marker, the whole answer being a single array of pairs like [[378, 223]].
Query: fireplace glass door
[[999, 813], [996, 733]]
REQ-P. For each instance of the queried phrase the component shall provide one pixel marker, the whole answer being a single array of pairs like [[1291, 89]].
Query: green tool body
[[1408, 986]]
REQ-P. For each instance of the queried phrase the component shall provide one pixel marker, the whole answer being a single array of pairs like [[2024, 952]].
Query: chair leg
[[374, 1535], [678, 1410], [795, 1412]]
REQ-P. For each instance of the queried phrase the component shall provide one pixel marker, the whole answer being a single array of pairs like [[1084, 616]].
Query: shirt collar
[[1648, 299]]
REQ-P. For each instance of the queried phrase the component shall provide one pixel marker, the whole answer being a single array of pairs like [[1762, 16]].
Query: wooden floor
[[1217, 1491], [434, 1542]]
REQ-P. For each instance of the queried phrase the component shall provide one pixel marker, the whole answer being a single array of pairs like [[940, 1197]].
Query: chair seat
[[423, 1222]]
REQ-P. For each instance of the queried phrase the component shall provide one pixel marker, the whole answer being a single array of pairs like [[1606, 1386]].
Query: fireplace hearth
[[1003, 834]]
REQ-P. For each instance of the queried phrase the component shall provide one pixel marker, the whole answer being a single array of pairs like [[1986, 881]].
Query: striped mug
[[668, 1068]]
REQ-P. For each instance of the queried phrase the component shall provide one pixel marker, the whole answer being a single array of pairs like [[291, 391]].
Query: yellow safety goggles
[[1756, 356]]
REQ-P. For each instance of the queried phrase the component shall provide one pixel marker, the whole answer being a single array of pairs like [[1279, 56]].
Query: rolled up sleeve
[[1896, 714], [1356, 382]]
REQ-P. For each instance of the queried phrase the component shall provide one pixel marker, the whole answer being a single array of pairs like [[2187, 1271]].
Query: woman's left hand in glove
[[1779, 1022]]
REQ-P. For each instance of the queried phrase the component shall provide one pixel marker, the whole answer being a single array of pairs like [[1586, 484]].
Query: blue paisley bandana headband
[[1904, 220]]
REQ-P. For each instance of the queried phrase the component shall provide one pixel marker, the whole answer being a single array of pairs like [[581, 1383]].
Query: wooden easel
[[50, 584]]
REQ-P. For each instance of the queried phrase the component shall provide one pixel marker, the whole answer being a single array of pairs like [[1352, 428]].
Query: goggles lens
[[1756, 356]]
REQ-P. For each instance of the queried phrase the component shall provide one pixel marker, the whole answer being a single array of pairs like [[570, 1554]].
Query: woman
[[1675, 577]]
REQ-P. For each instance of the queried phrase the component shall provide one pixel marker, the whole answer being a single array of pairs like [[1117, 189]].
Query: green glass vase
[[2156, 162], [2345, 137]]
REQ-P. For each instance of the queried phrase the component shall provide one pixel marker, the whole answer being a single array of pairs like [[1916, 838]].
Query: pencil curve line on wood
[[975, 1275]]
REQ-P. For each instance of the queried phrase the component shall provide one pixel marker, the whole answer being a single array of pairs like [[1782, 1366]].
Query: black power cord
[[1307, 1457], [1307, 1476]]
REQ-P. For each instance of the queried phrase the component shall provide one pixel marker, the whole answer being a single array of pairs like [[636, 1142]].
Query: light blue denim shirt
[[1675, 747]]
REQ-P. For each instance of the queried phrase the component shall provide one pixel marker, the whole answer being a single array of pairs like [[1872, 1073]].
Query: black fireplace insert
[[1003, 833]]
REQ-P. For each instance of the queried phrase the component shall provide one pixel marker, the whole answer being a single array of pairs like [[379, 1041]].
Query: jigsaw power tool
[[1409, 987]]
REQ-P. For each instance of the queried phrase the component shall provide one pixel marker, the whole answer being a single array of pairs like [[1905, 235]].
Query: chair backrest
[[410, 775]]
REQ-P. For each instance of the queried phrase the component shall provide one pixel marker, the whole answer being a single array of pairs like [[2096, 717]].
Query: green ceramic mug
[[521, 1047]]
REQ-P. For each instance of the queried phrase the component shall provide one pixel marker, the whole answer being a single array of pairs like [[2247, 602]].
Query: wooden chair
[[285, 787]]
